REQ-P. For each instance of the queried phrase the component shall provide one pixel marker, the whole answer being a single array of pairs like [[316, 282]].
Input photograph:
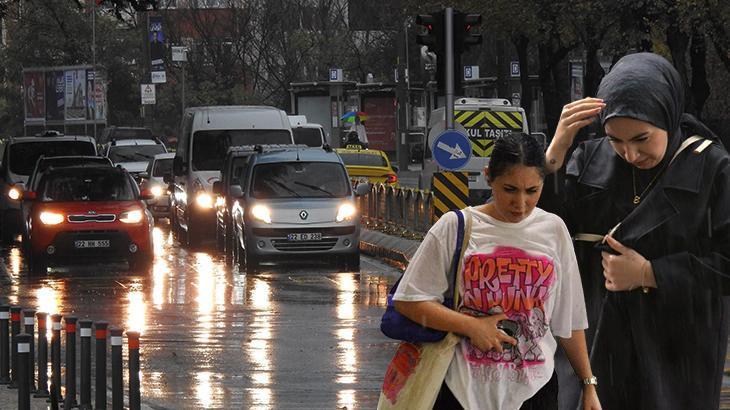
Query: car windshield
[[162, 167], [134, 153], [300, 180], [210, 146], [85, 185], [132, 134], [363, 160], [24, 155], [311, 137]]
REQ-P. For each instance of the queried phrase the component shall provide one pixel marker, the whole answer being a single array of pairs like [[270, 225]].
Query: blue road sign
[[451, 150]]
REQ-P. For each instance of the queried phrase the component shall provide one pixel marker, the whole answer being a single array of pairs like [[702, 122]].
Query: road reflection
[[259, 349]]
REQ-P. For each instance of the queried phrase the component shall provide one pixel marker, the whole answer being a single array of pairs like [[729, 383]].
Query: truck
[[483, 120]]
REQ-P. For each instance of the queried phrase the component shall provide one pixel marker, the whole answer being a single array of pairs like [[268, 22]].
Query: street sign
[[514, 68], [451, 150], [148, 93], [179, 53], [335, 74], [471, 72], [159, 77]]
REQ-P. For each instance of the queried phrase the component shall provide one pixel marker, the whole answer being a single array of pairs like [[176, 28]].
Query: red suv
[[85, 213]]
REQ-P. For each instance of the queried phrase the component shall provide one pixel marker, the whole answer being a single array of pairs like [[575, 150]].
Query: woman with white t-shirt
[[520, 273]]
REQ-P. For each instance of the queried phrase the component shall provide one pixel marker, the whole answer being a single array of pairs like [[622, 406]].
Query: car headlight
[[157, 191], [14, 193], [262, 213], [346, 212], [51, 218], [131, 217], [204, 200]]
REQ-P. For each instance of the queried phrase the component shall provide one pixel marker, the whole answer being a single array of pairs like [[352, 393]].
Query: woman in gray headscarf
[[649, 207]]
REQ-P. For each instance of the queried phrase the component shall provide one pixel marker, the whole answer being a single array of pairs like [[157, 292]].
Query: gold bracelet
[[644, 289]]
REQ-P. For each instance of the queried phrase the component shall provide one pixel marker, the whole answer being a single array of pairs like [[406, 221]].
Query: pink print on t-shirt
[[511, 281]]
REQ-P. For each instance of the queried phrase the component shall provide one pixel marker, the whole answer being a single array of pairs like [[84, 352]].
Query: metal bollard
[[70, 362], [100, 377], [4, 344], [42, 390], [14, 332], [134, 396], [117, 387], [23, 370], [56, 358], [29, 322], [85, 388]]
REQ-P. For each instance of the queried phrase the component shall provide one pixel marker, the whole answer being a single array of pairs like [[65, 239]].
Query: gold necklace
[[637, 198]]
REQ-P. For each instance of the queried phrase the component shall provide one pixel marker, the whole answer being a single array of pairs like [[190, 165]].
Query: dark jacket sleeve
[[710, 267], [559, 190]]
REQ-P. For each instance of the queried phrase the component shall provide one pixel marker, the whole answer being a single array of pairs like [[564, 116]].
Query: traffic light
[[432, 35], [464, 37]]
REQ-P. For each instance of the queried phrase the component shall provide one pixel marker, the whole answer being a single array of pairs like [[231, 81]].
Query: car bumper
[[62, 244], [160, 207], [273, 241]]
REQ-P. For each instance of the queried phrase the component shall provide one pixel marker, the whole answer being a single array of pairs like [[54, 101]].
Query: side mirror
[[236, 191], [178, 166], [395, 168], [362, 189], [168, 179], [143, 174], [29, 196], [217, 188], [146, 195]]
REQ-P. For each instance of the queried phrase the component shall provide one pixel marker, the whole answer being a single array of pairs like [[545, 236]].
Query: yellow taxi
[[368, 165]]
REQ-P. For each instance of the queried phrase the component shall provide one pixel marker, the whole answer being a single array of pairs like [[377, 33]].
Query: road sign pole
[[449, 29]]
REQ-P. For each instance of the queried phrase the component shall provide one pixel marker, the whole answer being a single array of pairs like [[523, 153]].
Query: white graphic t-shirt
[[527, 270]]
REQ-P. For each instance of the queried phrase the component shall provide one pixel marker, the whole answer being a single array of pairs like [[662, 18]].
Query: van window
[[311, 137], [24, 155], [300, 180], [211, 146]]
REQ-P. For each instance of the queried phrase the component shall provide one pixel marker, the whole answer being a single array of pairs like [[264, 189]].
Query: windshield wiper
[[283, 185], [124, 156], [316, 188]]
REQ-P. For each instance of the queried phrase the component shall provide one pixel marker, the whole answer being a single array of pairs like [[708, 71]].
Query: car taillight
[[391, 178]]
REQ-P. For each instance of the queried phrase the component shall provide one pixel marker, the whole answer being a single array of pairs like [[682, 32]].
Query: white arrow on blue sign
[[451, 150]]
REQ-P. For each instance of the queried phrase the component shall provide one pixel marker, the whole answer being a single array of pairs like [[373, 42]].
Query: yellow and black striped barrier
[[489, 125], [450, 191]]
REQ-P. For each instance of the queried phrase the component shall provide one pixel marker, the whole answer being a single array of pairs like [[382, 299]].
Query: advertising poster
[[157, 43], [34, 87], [95, 96], [55, 95], [75, 94]]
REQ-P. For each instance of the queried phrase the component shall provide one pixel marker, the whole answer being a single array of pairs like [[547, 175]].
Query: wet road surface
[[292, 336]]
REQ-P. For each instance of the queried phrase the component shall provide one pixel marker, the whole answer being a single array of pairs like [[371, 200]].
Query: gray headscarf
[[646, 87]]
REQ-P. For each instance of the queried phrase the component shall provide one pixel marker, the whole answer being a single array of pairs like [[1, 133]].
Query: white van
[[206, 134]]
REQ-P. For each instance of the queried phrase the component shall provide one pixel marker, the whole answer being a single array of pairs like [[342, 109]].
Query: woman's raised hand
[[575, 116]]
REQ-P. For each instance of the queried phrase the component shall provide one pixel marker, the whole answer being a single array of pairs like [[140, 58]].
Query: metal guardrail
[[405, 212]]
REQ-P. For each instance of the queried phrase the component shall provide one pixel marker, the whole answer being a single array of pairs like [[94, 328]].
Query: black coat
[[665, 349]]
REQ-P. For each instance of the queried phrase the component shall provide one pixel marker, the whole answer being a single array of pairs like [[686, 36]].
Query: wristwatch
[[591, 380]]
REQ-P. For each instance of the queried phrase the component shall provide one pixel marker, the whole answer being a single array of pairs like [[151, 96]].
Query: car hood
[[302, 211]]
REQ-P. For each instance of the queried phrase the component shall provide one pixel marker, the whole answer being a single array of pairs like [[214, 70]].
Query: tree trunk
[[594, 71], [698, 58], [555, 84], [521, 44], [678, 43]]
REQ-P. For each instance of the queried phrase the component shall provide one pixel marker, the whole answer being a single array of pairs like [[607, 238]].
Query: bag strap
[[591, 237], [463, 233]]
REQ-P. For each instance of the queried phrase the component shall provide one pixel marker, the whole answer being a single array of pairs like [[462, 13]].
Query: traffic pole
[[29, 322], [100, 379], [134, 396], [15, 312], [4, 344], [70, 362], [117, 386], [85, 388], [56, 359], [42, 390], [23, 371]]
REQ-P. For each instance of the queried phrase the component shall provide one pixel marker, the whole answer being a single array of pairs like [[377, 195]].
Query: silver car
[[296, 202], [153, 179]]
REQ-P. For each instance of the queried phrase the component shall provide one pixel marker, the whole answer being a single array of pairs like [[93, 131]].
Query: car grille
[[274, 232], [92, 218], [304, 246]]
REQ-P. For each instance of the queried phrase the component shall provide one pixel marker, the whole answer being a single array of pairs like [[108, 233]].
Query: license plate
[[102, 243], [310, 236]]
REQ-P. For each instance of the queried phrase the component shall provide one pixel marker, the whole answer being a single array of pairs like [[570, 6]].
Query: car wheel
[[194, 239], [251, 261], [141, 263], [228, 245], [7, 235], [220, 238], [37, 264], [351, 262]]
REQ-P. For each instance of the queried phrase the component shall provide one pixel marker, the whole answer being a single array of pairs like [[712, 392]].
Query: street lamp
[[180, 54]]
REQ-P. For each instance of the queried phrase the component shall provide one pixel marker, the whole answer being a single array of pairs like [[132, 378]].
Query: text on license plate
[[307, 236], [99, 243]]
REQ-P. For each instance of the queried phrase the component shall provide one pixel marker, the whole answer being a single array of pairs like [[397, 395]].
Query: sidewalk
[[9, 400]]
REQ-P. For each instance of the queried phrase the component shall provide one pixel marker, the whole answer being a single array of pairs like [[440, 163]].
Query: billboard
[[157, 43], [75, 95], [34, 90], [96, 106], [55, 96]]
